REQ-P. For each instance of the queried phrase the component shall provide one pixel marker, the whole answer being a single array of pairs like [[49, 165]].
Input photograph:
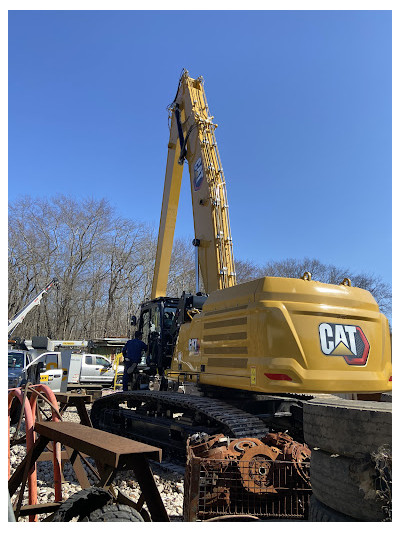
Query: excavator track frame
[[155, 412]]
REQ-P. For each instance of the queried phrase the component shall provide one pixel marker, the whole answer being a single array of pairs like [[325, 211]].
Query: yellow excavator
[[258, 348]]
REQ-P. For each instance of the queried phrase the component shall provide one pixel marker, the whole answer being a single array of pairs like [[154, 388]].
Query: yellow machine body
[[271, 334], [287, 335]]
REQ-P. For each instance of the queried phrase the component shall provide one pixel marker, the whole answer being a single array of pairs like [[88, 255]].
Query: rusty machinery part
[[240, 446], [299, 454], [218, 453], [286, 449], [204, 447], [222, 447], [280, 440], [256, 467]]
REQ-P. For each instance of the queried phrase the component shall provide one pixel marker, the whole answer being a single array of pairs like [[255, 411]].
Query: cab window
[[102, 361], [169, 314], [155, 320], [15, 360], [145, 325]]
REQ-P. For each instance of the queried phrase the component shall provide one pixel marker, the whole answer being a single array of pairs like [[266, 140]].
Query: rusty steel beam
[[150, 491], [39, 508], [111, 453], [80, 472], [73, 399], [103, 447]]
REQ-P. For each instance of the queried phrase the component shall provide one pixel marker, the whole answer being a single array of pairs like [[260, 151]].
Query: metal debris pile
[[266, 477]]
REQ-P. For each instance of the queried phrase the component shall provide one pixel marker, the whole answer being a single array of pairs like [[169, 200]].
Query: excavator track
[[167, 419]]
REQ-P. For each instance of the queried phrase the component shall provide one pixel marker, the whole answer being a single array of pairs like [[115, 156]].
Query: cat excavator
[[252, 352]]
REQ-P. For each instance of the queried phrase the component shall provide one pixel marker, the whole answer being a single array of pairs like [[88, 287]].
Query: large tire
[[115, 513], [318, 512], [347, 427], [81, 504], [346, 485]]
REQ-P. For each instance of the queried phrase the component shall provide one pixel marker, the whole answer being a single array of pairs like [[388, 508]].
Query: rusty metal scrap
[[249, 453], [299, 454], [256, 466], [266, 477]]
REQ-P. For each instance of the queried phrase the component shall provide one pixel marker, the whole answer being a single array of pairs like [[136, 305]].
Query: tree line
[[104, 264]]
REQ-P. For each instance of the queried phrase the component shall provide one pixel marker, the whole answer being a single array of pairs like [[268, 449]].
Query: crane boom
[[192, 138], [20, 316]]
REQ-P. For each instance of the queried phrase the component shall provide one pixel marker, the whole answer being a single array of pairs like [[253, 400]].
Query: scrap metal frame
[[111, 454]]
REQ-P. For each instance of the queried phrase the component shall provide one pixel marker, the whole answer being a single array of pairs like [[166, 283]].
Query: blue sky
[[302, 100]]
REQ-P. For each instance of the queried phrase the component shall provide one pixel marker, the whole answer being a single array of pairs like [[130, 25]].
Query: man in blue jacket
[[132, 352]]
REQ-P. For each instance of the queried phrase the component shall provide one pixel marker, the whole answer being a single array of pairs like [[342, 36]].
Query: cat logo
[[194, 346], [346, 341]]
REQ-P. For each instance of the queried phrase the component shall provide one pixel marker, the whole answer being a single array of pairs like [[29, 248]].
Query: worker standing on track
[[132, 352]]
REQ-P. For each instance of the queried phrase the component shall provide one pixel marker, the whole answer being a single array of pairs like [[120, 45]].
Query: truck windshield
[[15, 360]]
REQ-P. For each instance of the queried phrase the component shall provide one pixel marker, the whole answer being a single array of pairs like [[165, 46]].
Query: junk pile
[[263, 478]]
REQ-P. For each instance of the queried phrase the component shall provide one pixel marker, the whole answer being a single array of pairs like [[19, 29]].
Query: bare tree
[[105, 266]]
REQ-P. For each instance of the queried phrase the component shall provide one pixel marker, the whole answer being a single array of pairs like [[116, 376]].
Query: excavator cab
[[156, 323], [159, 323]]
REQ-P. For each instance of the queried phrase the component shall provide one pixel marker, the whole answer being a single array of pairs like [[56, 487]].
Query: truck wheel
[[346, 485], [318, 512], [115, 513], [347, 427], [81, 504]]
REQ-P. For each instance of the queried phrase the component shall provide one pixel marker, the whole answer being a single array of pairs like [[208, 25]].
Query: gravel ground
[[169, 483]]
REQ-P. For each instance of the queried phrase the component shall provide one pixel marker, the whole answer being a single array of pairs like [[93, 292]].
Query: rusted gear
[[298, 454], [256, 467], [240, 446], [301, 455]]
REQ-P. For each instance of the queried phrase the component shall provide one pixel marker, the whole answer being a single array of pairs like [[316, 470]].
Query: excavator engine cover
[[287, 335]]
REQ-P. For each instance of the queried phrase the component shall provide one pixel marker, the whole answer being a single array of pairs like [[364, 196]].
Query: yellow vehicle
[[271, 335]]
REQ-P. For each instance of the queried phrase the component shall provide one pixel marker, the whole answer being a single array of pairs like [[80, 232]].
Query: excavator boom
[[192, 138]]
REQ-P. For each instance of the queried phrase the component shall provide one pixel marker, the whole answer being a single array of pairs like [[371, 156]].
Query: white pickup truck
[[60, 369], [91, 368]]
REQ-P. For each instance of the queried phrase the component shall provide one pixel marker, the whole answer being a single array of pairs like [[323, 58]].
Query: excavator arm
[[192, 138]]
